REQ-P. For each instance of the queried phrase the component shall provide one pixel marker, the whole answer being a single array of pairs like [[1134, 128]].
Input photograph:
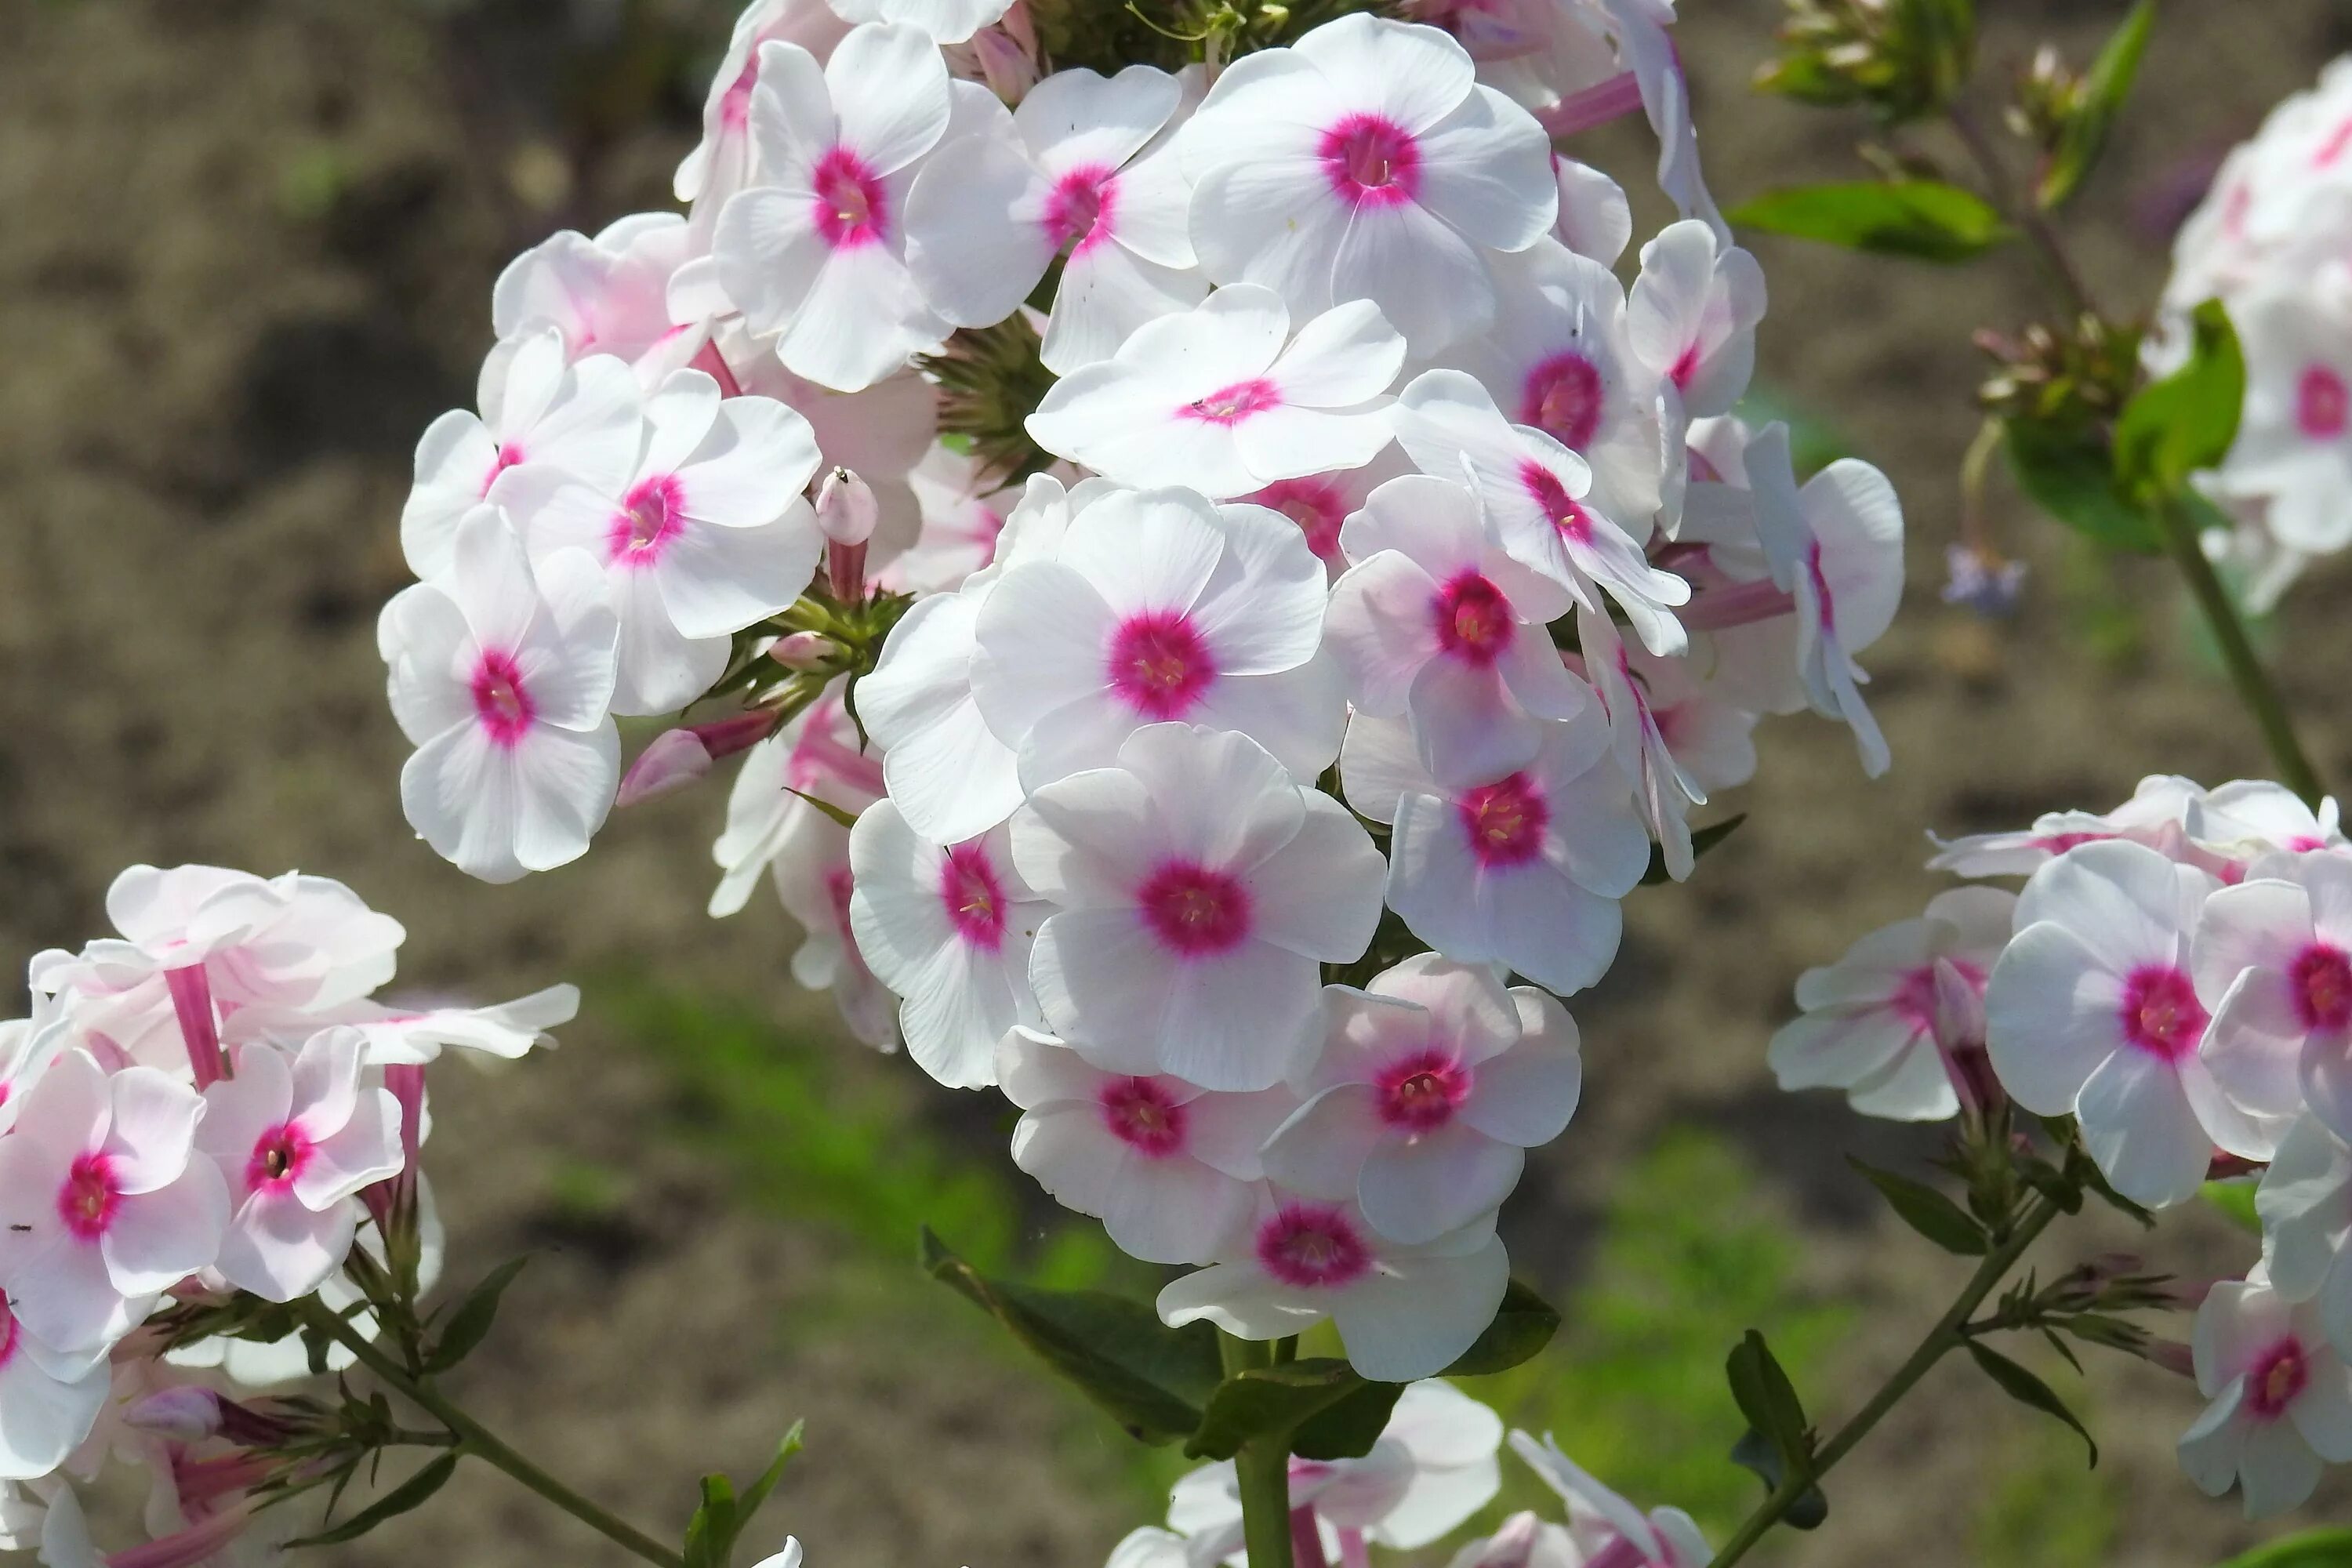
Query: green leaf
[[826, 806], [1272, 1401], [2053, 1183], [1766, 1396], [710, 1534], [2069, 475], [2173, 428], [2027, 1389], [1754, 1451], [2236, 1199], [1348, 1430], [2104, 86], [1702, 840], [2326, 1548], [1924, 220], [756, 1492], [1153, 1380], [413, 1492], [1927, 1211], [1523, 1325], [470, 1323]]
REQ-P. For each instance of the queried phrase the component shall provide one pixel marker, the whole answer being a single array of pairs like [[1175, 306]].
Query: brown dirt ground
[[246, 255]]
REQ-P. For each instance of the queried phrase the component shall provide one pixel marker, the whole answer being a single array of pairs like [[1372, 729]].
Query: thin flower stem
[[2253, 682], [480, 1441], [1946, 1335], [1261, 1470], [2030, 219]]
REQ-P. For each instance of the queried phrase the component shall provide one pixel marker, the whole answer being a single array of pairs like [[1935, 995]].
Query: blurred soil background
[[246, 256]]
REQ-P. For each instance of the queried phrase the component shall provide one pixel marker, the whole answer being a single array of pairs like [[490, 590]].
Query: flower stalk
[[1261, 1469]]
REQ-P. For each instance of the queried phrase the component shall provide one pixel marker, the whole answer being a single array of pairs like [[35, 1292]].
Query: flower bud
[[2172, 1355], [183, 1415], [803, 650], [672, 760], [846, 508], [1008, 69]]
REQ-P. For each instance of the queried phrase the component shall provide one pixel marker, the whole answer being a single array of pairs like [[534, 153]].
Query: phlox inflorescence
[[1270, 580], [210, 1113]]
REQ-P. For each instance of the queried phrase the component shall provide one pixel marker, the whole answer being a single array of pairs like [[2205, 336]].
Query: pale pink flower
[[1692, 316], [964, 512], [47, 1402], [722, 163], [1664, 790], [1607, 1527], [2155, 815], [1320, 504], [1432, 1085], [880, 433], [815, 754], [948, 21], [609, 295], [1197, 888], [2282, 1399], [2294, 442], [1522, 1541], [501, 677], [1596, 221], [2305, 1202], [2273, 958]]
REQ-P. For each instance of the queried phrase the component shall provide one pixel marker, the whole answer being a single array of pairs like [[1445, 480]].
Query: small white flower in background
[[536, 408], [1433, 1083], [1522, 868], [2247, 818], [964, 512], [1533, 491], [949, 928], [816, 252], [104, 1203], [1083, 168], [609, 295], [1197, 889], [502, 676], [2294, 442], [1434, 620], [1224, 400], [1602, 1523], [2155, 815], [815, 754], [1522, 1541], [1876, 1022], [295, 1141], [2092, 1012], [2305, 1202], [2281, 1398], [1365, 162], [1169, 1168], [1664, 790], [706, 534], [396, 1036], [2273, 964], [1402, 1311], [1157, 608]]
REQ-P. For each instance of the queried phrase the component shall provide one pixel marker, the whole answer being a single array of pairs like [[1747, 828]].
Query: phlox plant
[[1218, 565]]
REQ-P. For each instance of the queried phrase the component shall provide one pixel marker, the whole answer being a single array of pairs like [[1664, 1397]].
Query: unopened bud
[[2172, 1357], [803, 650], [846, 508], [183, 1415], [1008, 68], [672, 760]]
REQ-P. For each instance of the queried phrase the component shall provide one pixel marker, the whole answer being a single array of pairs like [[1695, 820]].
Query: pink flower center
[[973, 897], [1312, 1246], [1422, 1092], [2321, 977], [500, 700], [1505, 820], [1081, 207], [1561, 398], [2276, 1378], [1914, 1000], [2059, 842], [1143, 1116], [1544, 486], [1231, 405], [852, 209], [88, 1197], [651, 515], [2160, 1014], [1474, 620], [2323, 404], [1315, 505], [1195, 912], [1159, 666], [279, 1156], [510, 454], [1370, 160], [1685, 368], [735, 103]]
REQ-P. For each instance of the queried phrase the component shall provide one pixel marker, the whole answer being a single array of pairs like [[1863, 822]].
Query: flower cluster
[[209, 1115], [1435, 1464], [2271, 241], [1271, 581], [2176, 976]]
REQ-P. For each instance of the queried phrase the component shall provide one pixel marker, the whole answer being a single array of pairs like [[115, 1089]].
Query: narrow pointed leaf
[[1702, 840], [2027, 1389], [471, 1323], [413, 1492], [1766, 1396], [1925, 220], [2104, 86], [1927, 1211]]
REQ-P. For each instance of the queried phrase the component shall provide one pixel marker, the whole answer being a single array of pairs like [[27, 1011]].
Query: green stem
[[1944, 1336], [2048, 249], [1261, 1469], [479, 1440], [2246, 672]]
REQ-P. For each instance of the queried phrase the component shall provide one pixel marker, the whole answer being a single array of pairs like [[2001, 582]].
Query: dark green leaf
[[2173, 428], [469, 1324], [1927, 1211], [1270, 1401], [2104, 86], [2326, 1548], [1349, 1428], [2069, 475], [1523, 1325], [1754, 1451], [2085, 1170], [2046, 1179], [411, 1493], [1702, 840], [2027, 1389], [1766, 1396], [1153, 1380], [1924, 220]]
